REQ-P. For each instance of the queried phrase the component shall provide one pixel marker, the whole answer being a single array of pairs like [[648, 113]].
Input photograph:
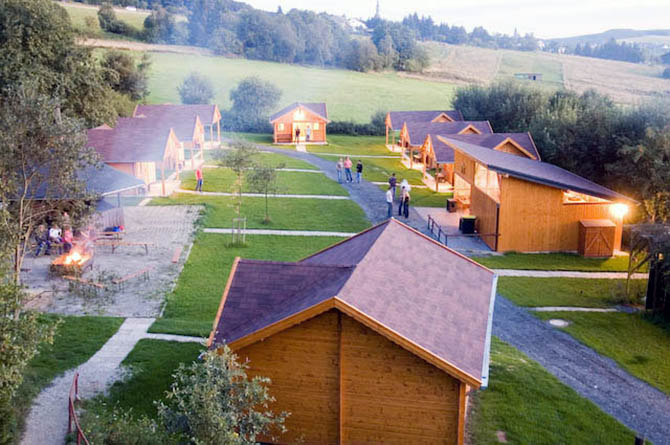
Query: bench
[[111, 235], [142, 272], [82, 281], [176, 254], [117, 243]]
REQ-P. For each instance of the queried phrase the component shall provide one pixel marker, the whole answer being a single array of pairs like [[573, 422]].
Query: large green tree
[[253, 100], [196, 89], [38, 45]]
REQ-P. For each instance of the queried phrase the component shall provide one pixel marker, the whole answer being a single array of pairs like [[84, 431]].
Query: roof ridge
[[295, 263], [369, 229]]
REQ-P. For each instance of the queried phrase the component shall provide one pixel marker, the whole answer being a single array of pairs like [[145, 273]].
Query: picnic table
[[115, 244]]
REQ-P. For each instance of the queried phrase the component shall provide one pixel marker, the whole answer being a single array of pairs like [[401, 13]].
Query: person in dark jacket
[[359, 171], [392, 183]]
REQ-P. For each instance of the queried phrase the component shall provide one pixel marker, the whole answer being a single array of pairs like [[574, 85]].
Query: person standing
[[308, 133], [389, 202], [68, 239], [41, 237], [338, 167], [359, 171], [392, 183], [406, 204], [198, 180], [297, 135], [347, 169], [402, 199]]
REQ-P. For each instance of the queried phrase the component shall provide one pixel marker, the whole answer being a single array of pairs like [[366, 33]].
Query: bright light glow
[[298, 115], [619, 210], [74, 257]]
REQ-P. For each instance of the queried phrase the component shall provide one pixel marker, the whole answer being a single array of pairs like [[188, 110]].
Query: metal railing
[[72, 413], [432, 225]]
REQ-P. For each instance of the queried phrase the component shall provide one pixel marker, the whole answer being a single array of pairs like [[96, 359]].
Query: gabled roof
[[417, 131], [397, 118], [318, 108], [533, 171], [405, 286], [183, 119], [132, 140], [208, 114], [524, 141]]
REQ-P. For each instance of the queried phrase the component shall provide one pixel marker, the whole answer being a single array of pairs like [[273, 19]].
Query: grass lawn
[[527, 62], [350, 95], [531, 406], [152, 363], [291, 183], [192, 306], [78, 15], [429, 198], [76, 340], [270, 159], [554, 261], [578, 292], [286, 213], [353, 145], [641, 347]]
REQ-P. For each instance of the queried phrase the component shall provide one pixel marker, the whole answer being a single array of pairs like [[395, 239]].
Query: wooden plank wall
[[286, 134], [485, 209], [302, 363], [391, 396], [533, 218]]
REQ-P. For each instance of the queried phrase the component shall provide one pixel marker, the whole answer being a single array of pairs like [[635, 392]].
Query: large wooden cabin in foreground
[[310, 118], [358, 349], [527, 205]]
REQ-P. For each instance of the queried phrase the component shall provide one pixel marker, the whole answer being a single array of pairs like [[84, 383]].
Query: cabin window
[[570, 197], [487, 181], [316, 125], [280, 127]]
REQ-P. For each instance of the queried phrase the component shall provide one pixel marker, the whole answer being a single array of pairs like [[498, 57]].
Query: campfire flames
[[74, 258], [73, 262]]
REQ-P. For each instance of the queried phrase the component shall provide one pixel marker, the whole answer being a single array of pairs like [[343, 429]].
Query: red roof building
[[358, 349]]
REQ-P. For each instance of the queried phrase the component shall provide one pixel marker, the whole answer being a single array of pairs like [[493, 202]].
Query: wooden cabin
[[526, 205], [137, 147], [396, 119], [438, 156], [358, 349], [413, 136], [188, 123], [310, 118]]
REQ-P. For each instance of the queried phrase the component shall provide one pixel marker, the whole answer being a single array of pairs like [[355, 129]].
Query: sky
[[544, 18]]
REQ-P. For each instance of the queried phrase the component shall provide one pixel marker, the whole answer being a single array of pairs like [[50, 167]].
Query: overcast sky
[[544, 18]]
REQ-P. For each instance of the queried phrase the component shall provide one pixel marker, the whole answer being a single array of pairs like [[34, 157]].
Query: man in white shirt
[[389, 201]]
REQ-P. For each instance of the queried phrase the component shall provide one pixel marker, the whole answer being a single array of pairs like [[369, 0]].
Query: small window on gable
[[281, 127], [316, 125]]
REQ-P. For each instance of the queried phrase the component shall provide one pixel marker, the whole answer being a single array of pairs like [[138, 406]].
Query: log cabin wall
[[344, 383], [533, 218], [485, 209], [283, 127]]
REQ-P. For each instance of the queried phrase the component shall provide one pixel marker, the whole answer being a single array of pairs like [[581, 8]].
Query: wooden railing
[[72, 413]]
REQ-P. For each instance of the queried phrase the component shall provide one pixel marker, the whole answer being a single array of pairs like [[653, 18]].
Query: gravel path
[[282, 232], [567, 274], [636, 404], [47, 421]]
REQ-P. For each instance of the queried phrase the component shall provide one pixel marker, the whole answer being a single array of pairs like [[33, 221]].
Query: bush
[[376, 126], [110, 23], [196, 89]]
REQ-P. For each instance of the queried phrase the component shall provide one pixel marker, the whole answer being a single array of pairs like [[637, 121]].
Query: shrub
[[196, 89]]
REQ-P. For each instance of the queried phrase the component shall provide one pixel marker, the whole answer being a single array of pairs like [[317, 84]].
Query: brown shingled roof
[[418, 131], [401, 283], [524, 140], [132, 140], [398, 118], [208, 114]]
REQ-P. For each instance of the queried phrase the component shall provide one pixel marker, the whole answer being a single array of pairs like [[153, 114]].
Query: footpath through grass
[[267, 158], [576, 292], [641, 347], [76, 340], [191, 308], [290, 183], [285, 213], [554, 261], [528, 405]]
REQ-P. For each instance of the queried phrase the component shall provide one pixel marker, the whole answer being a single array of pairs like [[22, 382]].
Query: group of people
[[345, 166], [46, 237], [403, 202], [308, 134]]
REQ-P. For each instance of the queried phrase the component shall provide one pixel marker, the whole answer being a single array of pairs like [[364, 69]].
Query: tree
[[124, 76], [41, 154], [196, 89], [263, 179], [253, 99], [40, 48], [109, 22], [239, 159], [160, 27], [362, 56]]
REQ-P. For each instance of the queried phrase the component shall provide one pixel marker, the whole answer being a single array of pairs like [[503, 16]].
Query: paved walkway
[[636, 404], [353, 156], [570, 309], [568, 274], [47, 421], [260, 195], [283, 232]]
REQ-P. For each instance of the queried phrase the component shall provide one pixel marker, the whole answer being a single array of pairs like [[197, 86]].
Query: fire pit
[[72, 263]]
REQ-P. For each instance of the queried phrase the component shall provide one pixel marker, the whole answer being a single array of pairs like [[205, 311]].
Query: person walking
[[406, 200], [359, 171], [338, 167], [198, 180], [347, 169], [389, 202], [392, 183]]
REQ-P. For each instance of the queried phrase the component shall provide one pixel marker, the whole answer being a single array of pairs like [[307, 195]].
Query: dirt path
[[634, 403], [139, 46]]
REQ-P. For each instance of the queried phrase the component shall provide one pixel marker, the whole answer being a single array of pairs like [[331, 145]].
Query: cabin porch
[[444, 226], [412, 158]]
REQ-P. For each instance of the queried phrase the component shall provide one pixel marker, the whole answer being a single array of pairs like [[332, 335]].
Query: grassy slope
[[79, 13], [639, 346], [517, 62], [554, 261], [579, 292], [76, 340], [531, 406], [293, 183], [350, 95], [193, 305], [285, 213]]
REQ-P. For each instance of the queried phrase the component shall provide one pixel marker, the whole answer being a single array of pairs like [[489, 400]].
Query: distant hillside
[[603, 37]]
